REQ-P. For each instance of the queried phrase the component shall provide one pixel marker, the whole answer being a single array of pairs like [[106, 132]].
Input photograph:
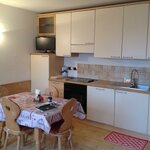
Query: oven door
[[77, 91]]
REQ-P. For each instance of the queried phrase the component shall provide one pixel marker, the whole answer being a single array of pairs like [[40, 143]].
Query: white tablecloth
[[32, 117]]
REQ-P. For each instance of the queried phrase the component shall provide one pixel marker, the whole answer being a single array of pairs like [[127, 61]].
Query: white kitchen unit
[[63, 34], [39, 72], [100, 104], [82, 35], [148, 43], [108, 32], [149, 118], [42, 67], [131, 111], [135, 31]]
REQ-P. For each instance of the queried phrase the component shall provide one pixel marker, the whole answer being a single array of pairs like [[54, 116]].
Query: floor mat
[[127, 141]]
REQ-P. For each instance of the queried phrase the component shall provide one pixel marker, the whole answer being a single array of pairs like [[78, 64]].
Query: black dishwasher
[[77, 91]]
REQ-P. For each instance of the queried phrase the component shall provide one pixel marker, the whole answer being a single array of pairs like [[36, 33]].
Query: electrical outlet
[[74, 68], [69, 68]]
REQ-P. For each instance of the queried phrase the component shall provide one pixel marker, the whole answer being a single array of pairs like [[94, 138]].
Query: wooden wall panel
[[17, 87]]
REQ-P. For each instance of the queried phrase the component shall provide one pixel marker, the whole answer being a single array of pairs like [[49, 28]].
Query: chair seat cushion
[[56, 126]]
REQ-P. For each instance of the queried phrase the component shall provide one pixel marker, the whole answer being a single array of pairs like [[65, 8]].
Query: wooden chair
[[12, 111], [3, 92], [53, 91], [64, 127]]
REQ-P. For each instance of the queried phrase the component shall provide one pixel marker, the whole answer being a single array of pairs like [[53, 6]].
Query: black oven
[[77, 91]]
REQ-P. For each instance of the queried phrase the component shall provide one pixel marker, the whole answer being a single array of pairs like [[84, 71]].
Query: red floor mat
[[129, 142]]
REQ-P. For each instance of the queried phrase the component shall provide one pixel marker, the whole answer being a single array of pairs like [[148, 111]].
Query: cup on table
[[37, 94], [49, 99]]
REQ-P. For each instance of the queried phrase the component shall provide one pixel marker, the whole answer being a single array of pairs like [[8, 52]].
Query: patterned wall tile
[[112, 73]]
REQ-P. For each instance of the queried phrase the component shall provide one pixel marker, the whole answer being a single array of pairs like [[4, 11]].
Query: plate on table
[[46, 107]]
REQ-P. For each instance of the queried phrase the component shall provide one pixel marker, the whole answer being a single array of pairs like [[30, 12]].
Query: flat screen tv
[[45, 44]]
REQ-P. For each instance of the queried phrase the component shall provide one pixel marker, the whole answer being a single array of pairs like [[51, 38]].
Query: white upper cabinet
[[148, 44], [63, 34], [82, 39], [108, 32], [135, 31]]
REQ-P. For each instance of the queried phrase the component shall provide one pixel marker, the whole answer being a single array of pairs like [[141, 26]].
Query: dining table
[[40, 120]]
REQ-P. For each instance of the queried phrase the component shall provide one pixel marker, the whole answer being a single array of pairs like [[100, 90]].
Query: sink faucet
[[134, 78]]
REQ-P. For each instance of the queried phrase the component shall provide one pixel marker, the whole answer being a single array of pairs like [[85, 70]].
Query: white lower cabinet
[[100, 104], [149, 118], [131, 111]]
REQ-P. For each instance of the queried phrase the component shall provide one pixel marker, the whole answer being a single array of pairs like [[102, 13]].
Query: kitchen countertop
[[103, 84]]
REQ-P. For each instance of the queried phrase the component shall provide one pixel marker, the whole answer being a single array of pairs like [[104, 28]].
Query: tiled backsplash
[[112, 73]]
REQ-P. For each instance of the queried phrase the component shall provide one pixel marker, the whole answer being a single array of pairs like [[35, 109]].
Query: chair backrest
[[3, 91], [53, 91], [11, 111], [67, 114]]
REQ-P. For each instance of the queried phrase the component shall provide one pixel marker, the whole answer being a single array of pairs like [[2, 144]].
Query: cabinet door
[[131, 111], [108, 32], [148, 43], [46, 24], [100, 104], [82, 38], [63, 34], [39, 72], [135, 31], [149, 118]]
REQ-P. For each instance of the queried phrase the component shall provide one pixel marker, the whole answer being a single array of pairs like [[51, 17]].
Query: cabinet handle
[[44, 55], [115, 56], [82, 44], [128, 57], [100, 89], [122, 92], [77, 44]]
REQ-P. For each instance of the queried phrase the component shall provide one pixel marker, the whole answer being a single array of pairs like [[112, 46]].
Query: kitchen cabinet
[[56, 89], [148, 43], [63, 34], [149, 118], [108, 33], [135, 31], [82, 37], [131, 111], [46, 24], [100, 104], [42, 67]]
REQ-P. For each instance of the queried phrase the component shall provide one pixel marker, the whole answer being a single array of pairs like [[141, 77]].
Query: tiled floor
[[85, 137]]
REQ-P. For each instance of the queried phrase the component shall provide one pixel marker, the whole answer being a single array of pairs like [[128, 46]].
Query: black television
[[45, 44]]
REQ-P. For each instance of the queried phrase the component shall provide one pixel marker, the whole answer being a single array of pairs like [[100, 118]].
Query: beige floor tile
[[85, 137]]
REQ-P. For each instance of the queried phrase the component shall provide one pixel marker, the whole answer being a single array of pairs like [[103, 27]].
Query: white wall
[[16, 43], [90, 59]]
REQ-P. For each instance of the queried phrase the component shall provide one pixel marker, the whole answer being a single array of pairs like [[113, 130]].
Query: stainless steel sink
[[129, 86]]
